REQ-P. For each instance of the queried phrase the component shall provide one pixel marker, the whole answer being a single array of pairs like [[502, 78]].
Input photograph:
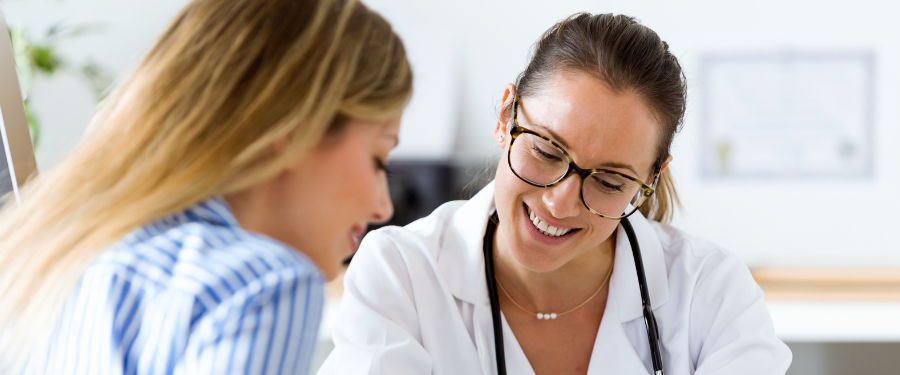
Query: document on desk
[[787, 115]]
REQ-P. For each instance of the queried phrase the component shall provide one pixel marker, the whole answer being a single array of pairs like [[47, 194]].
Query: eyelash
[[611, 186], [544, 154], [380, 165]]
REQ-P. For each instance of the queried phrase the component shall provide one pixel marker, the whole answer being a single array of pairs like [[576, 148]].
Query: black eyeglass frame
[[516, 130]]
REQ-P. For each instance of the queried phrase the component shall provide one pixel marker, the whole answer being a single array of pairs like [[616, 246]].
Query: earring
[[500, 139]]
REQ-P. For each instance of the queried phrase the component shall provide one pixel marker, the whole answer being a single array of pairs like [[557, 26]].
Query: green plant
[[40, 57]]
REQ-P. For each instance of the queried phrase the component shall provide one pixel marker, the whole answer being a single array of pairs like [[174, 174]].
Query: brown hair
[[627, 56], [198, 118]]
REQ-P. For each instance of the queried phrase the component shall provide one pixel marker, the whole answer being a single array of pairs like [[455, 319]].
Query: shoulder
[[712, 284], [714, 298], [685, 250], [433, 255], [214, 264], [697, 267], [422, 240], [678, 242]]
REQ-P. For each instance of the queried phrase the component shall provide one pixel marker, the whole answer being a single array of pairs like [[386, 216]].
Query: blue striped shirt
[[191, 293]]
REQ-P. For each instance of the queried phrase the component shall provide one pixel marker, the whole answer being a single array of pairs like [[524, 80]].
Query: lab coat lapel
[[461, 262], [484, 338], [613, 353]]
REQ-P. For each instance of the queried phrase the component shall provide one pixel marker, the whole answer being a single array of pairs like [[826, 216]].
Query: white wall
[[786, 222], [124, 30]]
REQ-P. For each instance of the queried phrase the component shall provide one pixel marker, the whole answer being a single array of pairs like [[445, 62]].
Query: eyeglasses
[[541, 162]]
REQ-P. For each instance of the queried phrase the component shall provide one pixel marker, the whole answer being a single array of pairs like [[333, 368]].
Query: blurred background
[[787, 156]]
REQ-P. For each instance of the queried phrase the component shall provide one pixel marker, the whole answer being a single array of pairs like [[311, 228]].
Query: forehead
[[597, 126]]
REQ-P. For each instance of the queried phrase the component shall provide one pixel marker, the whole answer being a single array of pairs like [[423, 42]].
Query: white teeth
[[546, 228]]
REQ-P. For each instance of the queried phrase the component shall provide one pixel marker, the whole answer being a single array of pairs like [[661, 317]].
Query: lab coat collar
[[461, 259], [624, 283]]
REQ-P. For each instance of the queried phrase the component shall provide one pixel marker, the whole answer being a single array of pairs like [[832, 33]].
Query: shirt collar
[[214, 211], [461, 259]]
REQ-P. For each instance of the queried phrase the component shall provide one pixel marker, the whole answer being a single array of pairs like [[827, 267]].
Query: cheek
[[509, 194], [601, 229], [352, 186], [359, 190], [336, 192], [506, 187]]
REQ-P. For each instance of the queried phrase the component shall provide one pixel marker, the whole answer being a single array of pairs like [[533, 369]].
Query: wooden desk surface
[[832, 284]]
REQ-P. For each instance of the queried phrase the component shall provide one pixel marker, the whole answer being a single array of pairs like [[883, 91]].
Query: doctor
[[540, 272]]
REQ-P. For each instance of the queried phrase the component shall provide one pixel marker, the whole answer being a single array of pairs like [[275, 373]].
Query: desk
[[836, 321], [833, 305]]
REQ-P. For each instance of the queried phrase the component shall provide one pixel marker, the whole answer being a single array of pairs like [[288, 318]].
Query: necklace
[[553, 315]]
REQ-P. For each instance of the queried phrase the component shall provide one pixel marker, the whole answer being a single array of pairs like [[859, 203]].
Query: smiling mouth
[[547, 229]]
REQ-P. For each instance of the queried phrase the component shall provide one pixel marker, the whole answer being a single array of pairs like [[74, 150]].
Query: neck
[[570, 284]]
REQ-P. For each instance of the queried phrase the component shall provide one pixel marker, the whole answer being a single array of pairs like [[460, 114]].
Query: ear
[[665, 164], [501, 130]]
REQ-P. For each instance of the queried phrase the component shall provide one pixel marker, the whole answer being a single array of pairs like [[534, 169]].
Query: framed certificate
[[787, 115]]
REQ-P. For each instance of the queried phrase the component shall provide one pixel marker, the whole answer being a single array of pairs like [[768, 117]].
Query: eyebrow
[[613, 164], [553, 134], [610, 164]]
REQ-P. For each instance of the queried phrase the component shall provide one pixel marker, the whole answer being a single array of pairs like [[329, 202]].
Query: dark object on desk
[[417, 188]]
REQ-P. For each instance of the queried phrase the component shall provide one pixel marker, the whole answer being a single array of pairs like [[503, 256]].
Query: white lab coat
[[415, 302]]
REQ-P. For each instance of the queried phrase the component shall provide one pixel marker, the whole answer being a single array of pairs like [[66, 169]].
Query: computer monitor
[[17, 163]]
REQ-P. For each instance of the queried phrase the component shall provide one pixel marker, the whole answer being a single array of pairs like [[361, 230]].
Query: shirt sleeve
[[268, 327], [377, 328], [731, 329]]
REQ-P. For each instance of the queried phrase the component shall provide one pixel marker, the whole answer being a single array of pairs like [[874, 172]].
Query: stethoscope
[[649, 319]]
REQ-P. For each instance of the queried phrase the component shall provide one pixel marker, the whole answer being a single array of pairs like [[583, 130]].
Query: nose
[[384, 207], [564, 199]]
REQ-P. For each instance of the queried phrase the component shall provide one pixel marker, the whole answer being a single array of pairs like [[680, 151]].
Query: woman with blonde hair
[[217, 189]]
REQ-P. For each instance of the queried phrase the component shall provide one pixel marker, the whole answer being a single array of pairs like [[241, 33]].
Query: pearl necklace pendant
[[549, 316]]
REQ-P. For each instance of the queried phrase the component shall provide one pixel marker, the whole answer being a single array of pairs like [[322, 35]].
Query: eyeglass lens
[[539, 162]]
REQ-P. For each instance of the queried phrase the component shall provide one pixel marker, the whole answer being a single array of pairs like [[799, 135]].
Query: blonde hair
[[663, 203], [197, 118]]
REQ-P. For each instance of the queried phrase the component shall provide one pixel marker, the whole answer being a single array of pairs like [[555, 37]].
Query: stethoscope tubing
[[649, 318], [492, 292]]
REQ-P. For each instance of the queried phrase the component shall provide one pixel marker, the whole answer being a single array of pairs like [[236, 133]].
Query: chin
[[331, 270], [536, 259], [329, 261]]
